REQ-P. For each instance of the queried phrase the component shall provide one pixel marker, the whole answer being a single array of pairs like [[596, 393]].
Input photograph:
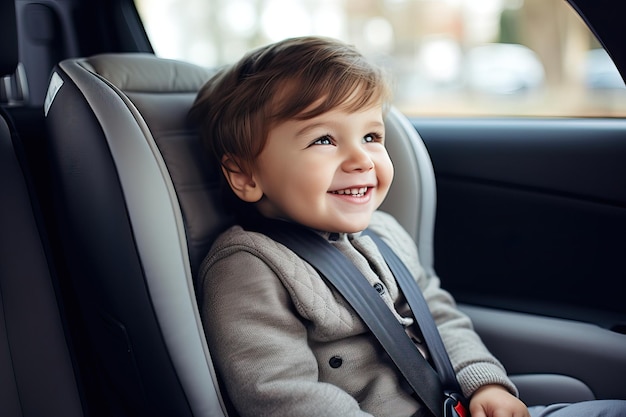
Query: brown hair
[[296, 78]]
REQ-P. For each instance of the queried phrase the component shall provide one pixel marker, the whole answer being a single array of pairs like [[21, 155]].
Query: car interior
[[110, 204]]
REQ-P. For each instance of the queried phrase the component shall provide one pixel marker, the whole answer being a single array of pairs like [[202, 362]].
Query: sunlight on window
[[284, 18], [239, 18], [446, 57], [441, 60], [378, 34]]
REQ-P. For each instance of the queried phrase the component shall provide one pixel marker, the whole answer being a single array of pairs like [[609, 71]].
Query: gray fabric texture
[[287, 344]]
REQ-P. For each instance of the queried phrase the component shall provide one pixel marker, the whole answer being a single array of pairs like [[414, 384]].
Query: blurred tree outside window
[[445, 57]]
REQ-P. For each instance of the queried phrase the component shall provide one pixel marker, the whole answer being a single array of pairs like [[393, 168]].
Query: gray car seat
[[138, 204]]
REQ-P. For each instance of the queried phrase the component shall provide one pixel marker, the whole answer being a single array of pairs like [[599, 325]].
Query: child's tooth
[[352, 191]]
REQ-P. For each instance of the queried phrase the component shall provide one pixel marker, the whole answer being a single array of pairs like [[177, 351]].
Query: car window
[[445, 57]]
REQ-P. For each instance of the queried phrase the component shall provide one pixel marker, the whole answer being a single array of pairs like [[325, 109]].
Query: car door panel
[[532, 212], [583, 158], [531, 217]]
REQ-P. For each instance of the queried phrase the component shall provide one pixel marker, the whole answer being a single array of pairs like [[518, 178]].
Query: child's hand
[[496, 401]]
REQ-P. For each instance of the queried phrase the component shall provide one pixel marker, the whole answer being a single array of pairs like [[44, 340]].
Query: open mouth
[[355, 192]]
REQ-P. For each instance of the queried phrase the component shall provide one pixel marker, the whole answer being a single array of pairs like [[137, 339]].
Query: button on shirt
[[380, 277]]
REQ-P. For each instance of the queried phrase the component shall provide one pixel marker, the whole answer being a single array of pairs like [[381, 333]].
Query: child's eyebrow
[[309, 127], [377, 124]]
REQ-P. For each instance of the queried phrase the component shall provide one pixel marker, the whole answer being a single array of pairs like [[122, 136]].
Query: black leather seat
[[37, 375]]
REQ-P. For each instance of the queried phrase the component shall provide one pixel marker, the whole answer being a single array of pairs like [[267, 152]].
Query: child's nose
[[357, 159]]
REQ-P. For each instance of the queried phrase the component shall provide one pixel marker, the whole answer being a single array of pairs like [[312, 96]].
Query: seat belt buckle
[[454, 406]]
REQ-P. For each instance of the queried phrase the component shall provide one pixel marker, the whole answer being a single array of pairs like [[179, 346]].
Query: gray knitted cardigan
[[285, 344]]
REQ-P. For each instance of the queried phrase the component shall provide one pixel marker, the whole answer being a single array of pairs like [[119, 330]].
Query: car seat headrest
[[147, 73]]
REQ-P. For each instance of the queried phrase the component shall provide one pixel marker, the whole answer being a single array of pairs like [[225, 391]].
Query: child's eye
[[372, 137], [324, 140]]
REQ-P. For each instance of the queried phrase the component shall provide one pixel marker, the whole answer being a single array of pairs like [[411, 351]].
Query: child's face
[[329, 173]]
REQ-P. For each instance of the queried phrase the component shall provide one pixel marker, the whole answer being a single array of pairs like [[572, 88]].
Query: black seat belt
[[340, 272], [419, 307]]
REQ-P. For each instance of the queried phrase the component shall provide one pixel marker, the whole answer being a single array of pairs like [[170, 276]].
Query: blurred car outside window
[[445, 57]]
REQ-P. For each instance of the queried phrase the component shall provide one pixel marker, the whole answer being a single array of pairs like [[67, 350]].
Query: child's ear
[[242, 184]]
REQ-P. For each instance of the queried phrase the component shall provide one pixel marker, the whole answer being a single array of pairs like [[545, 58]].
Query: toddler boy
[[297, 128]]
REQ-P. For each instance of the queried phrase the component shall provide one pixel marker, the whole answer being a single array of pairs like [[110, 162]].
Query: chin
[[353, 227], [341, 224]]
